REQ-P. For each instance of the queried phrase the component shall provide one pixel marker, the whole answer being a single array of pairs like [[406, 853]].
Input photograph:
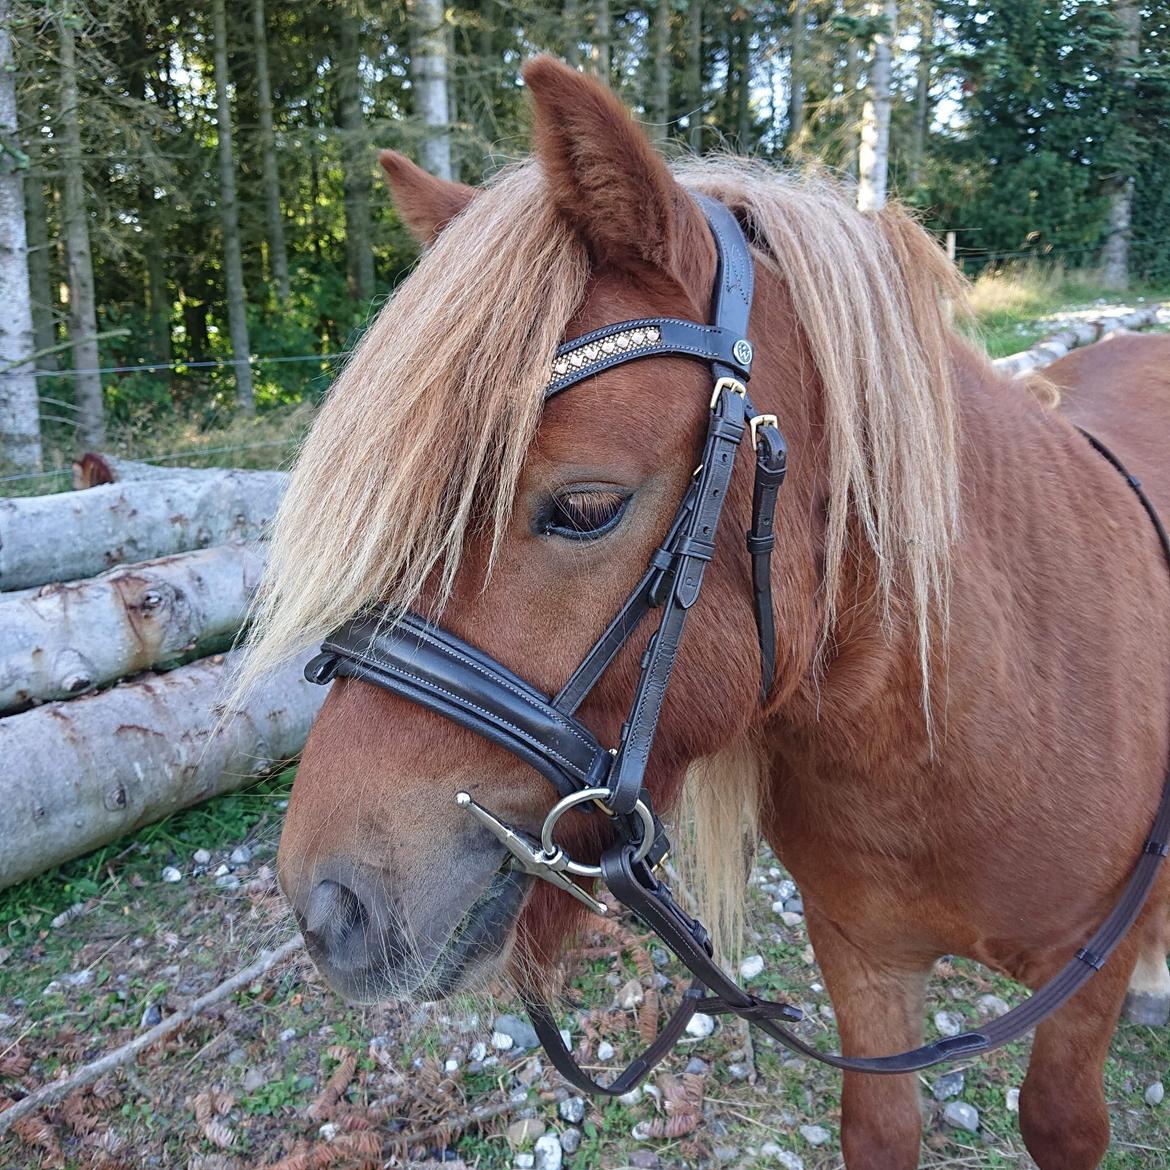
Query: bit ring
[[562, 806]]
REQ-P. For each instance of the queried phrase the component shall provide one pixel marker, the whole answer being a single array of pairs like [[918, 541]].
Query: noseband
[[422, 662]]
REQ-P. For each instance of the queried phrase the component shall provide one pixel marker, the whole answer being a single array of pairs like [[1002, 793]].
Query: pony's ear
[[425, 203], [604, 174]]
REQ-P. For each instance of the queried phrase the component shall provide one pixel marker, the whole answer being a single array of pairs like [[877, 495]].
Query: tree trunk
[[277, 254], [572, 16], [62, 640], [87, 382], [796, 42], [742, 22], [429, 78], [851, 120], [157, 291], [695, 74], [873, 158], [82, 773], [40, 276], [1119, 188], [20, 427], [922, 93], [359, 251], [660, 105], [71, 535], [602, 35], [230, 218]]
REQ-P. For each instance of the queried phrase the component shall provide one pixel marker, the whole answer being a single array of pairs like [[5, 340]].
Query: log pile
[[1073, 336], [117, 603]]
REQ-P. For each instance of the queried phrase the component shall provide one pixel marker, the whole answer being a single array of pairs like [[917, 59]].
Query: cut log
[[1045, 352], [63, 640], [70, 535], [79, 774]]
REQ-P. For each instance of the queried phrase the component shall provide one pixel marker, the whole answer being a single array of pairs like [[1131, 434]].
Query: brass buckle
[[761, 420], [732, 384]]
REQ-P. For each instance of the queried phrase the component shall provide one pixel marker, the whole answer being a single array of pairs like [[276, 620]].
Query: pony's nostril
[[333, 915]]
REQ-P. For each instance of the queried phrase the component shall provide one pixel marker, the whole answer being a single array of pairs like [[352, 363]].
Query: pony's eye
[[584, 514]]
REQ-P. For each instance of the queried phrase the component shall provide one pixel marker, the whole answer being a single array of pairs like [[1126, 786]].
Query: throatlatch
[[428, 665]]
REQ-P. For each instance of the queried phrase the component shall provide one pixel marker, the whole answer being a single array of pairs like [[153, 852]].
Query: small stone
[[645, 1160], [526, 1129], [531, 1072], [785, 889], [66, 916], [777, 907], [662, 982], [815, 1135], [630, 1099], [572, 1110], [788, 1160], [992, 1005], [328, 1131], [659, 957], [450, 1066], [288, 1035], [641, 1131], [478, 1051], [221, 870], [948, 1086], [524, 1161], [571, 1141], [549, 1154], [522, 1032], [605, 1050], [171, 874], [960, 1115], [1012, 1100], [81, 978], [948, 1023], [254, 1079], [237, 1056], [201, 857], [726, 1153], [1155, 1094], [151, 1016], [700, 1025], [739, 1072], [228, 881], [501, 1041], [752, 966], [795, 906], [631, 995], [567, 1038], [790, 918], [241, 855], [697, 1066]]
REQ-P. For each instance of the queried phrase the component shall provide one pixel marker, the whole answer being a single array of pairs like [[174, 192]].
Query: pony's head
[[436, 479]]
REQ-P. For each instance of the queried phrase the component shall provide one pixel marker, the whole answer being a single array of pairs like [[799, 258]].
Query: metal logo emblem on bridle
[[742, 351]]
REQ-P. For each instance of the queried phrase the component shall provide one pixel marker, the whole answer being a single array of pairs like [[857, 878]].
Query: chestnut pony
[[965, 742]]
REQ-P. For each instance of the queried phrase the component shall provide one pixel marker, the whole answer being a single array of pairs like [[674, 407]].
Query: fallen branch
[[453, 1125], [56, 1091]]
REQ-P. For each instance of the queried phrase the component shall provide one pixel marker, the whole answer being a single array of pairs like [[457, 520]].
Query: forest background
[[192, 231]]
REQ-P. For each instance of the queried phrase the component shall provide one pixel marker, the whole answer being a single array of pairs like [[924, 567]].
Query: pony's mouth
[[478, 947]]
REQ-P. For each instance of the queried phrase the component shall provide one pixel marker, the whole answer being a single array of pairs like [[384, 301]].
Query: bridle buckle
[[761, 420], [734, 385]]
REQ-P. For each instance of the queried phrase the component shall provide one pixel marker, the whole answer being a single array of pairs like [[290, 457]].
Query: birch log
[[70, 535], [1045, 352], [95, 468], [79, 774], [62, 640]]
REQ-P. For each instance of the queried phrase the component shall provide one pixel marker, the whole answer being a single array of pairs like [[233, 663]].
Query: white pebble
[[605, 1050], [948, 1023], [790, 918], [700, 1025], [201, 857], [524, 1161], [815, 1135], [992, 1005], [1012, 1100], [752, 966], [451, 1066], [778, 906], [548, 1152], [567, 1039], [631, 995], [172, 875], [501, 1041], [478, 1051], [241, 855], [221, 870], [1156, 1093], [328, 1131], [631, 1098], [960, 1115]]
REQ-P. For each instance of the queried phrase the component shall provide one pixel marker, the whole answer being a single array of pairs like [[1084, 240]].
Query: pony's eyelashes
[[582, 512]]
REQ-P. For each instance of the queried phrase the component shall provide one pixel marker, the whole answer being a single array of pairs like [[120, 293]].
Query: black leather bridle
[[408, 656]]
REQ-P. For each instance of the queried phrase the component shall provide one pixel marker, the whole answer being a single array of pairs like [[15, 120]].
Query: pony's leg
[[879, 1010], [1148, 999], [1063, 1115]]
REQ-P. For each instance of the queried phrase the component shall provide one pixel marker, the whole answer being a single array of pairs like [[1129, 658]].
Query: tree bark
[[87, 382], [796, 42], [742, 21], [922, 93], [20, 427], [157, 291], [71, 535], [359, 251], [695, 74], [660, 108], [602, 34], [873, 158], [230, 218], [63, 640], [277, 254], [572, 16], [429, 78], [82, 773], [1119, 188]]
